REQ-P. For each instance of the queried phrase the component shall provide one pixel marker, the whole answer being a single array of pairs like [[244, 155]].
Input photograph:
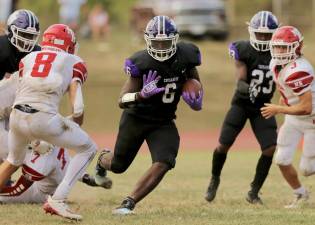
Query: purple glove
[[149, 85], [192, 101]]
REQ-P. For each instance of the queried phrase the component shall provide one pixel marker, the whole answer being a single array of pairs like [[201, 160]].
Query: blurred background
[[111, 30]]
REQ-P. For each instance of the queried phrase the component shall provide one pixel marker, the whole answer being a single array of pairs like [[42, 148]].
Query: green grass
[[179, 198]]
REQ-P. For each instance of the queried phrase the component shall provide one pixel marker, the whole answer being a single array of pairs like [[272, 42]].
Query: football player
[[46, 76], [149, 99], [49, 161], [21, 37], [255, 87], [42, 171], [294, 76]]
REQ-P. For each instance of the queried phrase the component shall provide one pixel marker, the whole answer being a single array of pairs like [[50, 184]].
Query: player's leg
[[288, 138], [163, 142], [129, 140], [4, 149], [60, 131], [307, 162], [233, 123], [265, 131], [17, 142]]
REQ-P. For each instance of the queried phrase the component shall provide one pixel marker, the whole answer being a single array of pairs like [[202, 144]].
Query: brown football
[[192, 86]]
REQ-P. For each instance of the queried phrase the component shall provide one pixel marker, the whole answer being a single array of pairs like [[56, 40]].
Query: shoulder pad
[[189, 53], [137, 63], [239, 50]]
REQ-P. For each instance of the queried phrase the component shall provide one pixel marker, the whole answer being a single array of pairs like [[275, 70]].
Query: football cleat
[[60, 208], [253, 198], [126, 207], [212, 189], [100, 172], [104, 182], [298, 201]]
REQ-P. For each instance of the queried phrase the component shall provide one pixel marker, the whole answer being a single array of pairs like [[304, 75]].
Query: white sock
[[75, 170], [300, 191]]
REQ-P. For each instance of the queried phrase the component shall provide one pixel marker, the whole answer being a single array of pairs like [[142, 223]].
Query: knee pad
[[307, 165]]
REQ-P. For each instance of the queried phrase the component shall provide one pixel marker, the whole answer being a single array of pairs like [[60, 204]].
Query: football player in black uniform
[[21, 36], [149, 99], [255, 87]]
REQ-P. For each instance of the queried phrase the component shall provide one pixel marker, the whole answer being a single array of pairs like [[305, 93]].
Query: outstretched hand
[[149, 85]]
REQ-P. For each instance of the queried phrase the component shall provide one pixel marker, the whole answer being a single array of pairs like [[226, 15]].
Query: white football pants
[[291, 132], [57, 130]]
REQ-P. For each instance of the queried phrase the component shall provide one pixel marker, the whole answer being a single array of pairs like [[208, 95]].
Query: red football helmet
[[286, 45], [59, 36]]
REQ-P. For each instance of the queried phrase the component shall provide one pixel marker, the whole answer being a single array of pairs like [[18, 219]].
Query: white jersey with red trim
[[294, 79], [45, 78], [47, 170], [8, 87]]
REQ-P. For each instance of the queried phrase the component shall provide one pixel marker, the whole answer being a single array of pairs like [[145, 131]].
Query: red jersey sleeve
[[31, 174], [299, 82], [80, 72]]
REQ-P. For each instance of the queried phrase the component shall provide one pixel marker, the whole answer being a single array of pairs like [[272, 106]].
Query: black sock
[[262, 170], [218, 161]]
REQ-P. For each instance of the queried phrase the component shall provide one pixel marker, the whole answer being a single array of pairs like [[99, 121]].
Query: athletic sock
[[262, 170], [301, 190], [218, 161]]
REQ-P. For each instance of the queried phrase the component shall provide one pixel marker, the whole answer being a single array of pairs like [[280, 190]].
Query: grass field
[[179, 198]]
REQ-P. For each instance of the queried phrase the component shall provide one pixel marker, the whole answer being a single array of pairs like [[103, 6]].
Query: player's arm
[[75, 91], [76, 100], [304, 107], [18, 188], [241, 77], [130, 92]]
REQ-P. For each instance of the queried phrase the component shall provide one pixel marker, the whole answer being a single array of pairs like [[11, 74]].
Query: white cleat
[[123, 211], [60, 208], [299, 200]]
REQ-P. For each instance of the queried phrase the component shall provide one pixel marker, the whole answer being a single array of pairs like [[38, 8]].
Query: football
[[192, 86]]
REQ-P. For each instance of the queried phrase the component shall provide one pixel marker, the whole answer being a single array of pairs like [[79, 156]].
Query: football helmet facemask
[[60, 36], [260, 28], [161, 37], [23, 30], [286, 45]]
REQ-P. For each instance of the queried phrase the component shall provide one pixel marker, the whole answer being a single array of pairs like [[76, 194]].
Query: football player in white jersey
[[46, 76], [48, 161], [42, 171], [294, 76]]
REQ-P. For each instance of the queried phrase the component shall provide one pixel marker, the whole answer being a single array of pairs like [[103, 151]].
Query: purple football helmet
[[260, 28], [161, 36], [23, 30]]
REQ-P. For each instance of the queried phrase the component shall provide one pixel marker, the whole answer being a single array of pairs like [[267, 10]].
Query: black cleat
[[90, 180], [253, 198], [212, 189], [100, 172]]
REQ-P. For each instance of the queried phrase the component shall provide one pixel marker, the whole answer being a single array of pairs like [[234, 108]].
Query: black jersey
[[258, 72], [173, 74], [10, 57]]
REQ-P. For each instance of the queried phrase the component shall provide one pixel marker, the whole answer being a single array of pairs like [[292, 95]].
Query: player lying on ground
[[156, 77], [43, 169], [294, 76]]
